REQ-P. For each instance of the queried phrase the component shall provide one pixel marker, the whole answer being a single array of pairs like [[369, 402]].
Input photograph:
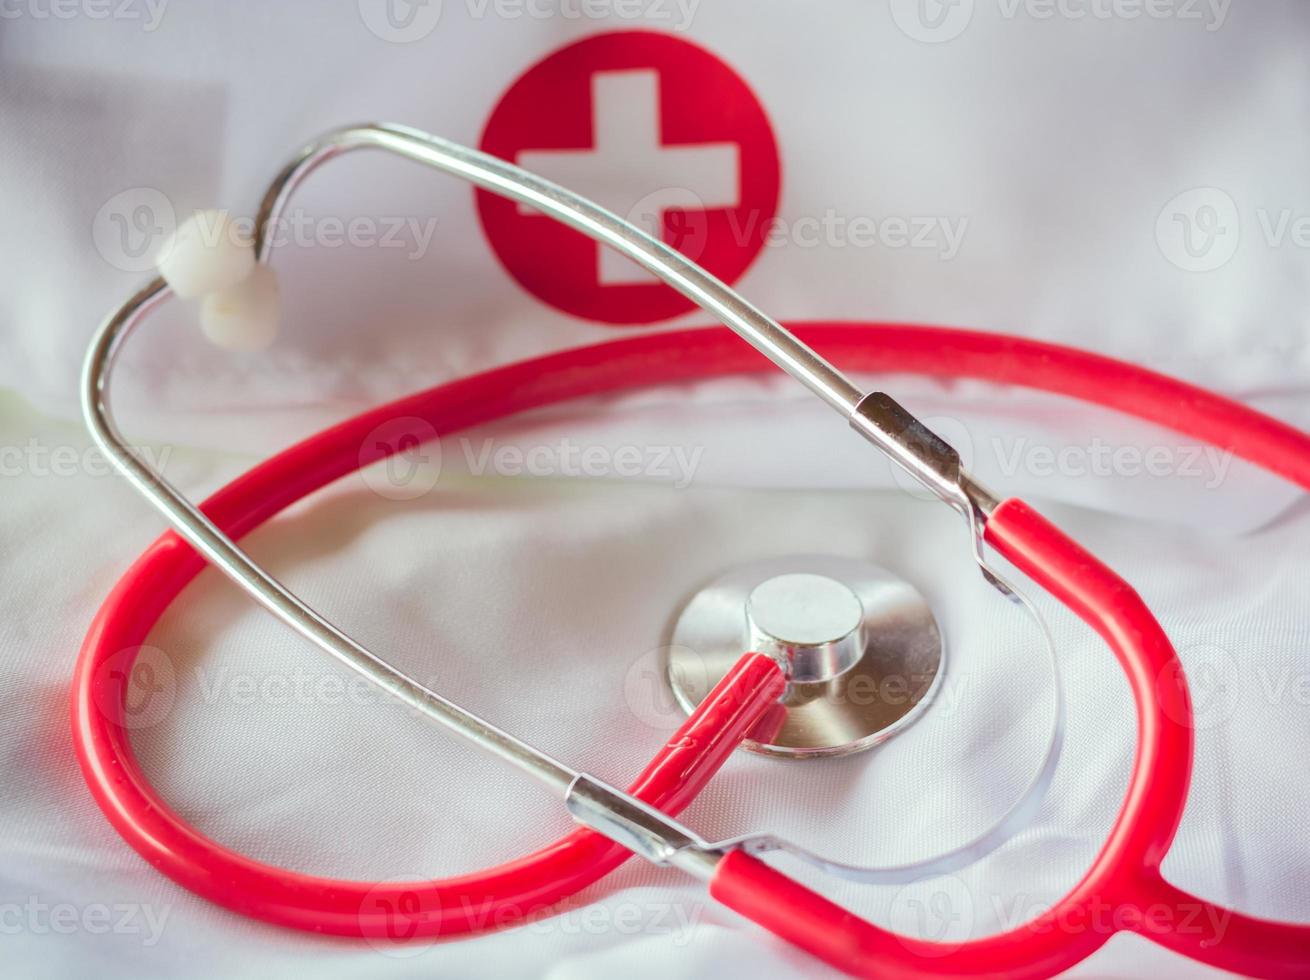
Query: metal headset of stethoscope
[[752, 700]]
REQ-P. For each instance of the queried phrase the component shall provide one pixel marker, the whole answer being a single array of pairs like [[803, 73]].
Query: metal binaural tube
[[497, 176], [491, 173], [500, 177]]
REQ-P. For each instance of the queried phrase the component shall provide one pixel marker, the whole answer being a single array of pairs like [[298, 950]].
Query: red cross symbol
[[655, 129]]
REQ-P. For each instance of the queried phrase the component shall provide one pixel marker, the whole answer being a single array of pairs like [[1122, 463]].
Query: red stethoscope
[[239, 307]]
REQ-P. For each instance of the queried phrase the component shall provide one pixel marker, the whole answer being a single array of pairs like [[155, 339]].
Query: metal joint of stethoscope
[[819, 620]]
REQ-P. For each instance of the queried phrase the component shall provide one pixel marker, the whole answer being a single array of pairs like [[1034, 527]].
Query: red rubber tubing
[[492, 898], [1126, 871]]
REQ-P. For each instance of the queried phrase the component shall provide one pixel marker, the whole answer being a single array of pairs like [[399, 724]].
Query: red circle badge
[[655, 129]]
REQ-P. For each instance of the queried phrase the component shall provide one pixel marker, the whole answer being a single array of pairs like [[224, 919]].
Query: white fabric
[[1058, 142], [541, 603], [491, 588]]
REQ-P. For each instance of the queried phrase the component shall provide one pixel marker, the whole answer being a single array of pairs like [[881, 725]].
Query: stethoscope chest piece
[[861, 649]]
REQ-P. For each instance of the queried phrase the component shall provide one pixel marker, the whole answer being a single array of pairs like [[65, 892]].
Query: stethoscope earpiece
[[209, 258]]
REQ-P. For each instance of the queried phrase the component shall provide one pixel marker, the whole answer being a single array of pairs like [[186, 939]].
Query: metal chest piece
[[861, 648]]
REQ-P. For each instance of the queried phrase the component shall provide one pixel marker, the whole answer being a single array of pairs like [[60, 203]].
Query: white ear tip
[[206, 253], [243, 317]]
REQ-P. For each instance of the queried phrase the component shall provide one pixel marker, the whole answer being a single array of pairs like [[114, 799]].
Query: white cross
[[628, 169]]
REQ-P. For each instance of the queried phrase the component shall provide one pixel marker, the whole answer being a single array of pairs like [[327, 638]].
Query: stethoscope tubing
[[1127, 869]]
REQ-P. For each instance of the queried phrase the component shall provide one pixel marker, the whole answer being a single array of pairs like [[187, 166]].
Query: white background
[[1061, 140]]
